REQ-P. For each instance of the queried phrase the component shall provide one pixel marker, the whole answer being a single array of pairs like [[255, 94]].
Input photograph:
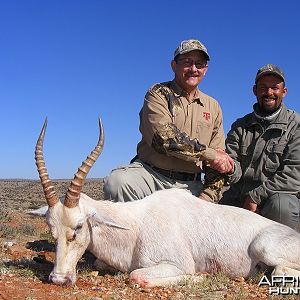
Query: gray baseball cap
[[269, 69], [191, 45]]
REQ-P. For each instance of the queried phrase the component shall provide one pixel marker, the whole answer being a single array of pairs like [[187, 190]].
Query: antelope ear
[[41, 212], [38, 212], [99, 218]]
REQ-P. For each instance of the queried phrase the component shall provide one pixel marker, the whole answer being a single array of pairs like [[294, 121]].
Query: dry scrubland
[[27, 255]]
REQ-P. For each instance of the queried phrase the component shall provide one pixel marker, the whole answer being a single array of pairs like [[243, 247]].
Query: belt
[[183, 176]]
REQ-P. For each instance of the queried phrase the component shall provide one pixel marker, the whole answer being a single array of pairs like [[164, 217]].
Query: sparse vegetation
[[27, 255], [45, 235], [22, 267], [7, 231]]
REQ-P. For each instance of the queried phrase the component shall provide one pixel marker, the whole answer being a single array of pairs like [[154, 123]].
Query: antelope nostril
[[61, 279], [68, 281]]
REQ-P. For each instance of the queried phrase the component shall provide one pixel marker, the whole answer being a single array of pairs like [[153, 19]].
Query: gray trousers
[[283, 208], [138, 180]]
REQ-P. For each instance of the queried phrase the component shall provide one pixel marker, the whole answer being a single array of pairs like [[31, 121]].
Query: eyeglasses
[[187, 63]]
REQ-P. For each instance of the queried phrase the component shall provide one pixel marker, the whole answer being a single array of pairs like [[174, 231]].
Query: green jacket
[[266, 155]]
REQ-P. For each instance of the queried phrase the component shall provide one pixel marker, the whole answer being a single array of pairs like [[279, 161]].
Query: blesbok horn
[[77, 183], [48, 187]]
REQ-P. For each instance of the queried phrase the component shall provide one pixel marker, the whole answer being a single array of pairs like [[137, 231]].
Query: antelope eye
[[72, 238], [79, 226]]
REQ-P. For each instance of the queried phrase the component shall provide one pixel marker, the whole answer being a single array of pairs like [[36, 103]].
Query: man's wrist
[[250, 199]]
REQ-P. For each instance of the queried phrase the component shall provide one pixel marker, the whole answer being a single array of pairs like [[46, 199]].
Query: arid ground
[[27, 255]]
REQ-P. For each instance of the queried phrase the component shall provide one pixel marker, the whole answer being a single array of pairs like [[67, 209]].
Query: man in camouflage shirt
[[182, 134], [265, 147]]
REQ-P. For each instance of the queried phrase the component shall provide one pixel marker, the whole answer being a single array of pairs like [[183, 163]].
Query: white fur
[[168, 235]]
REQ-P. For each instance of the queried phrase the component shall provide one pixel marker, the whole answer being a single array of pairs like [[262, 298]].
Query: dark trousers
[[283, 208]]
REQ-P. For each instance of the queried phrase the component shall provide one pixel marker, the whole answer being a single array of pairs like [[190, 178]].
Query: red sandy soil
[[26, 259]]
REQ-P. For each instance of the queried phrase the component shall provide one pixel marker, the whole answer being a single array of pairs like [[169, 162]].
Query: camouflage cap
[[191, 45], [269, 69]]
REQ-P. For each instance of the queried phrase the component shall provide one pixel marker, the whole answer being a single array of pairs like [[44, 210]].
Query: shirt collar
[[179, 92], [269, 117], [280, 119]]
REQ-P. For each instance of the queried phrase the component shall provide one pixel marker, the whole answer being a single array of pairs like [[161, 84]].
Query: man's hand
[[250, 205], [223, 163]]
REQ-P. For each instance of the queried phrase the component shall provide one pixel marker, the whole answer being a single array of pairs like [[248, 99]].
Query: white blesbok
[[163, 237]]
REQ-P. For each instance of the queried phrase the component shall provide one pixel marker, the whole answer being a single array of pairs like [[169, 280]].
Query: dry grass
[[27, 255]]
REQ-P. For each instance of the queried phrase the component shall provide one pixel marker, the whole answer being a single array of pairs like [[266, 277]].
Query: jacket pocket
[[243, 149], [274, 152]]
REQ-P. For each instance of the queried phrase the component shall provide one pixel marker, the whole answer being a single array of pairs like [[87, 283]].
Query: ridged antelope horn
[[76, 185], [48, 187]]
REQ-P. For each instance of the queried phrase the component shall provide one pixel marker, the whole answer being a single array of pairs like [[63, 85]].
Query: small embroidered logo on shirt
[[206, 115]]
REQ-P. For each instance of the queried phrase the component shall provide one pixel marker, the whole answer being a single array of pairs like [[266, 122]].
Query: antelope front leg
[[162, 274], [282, 270]]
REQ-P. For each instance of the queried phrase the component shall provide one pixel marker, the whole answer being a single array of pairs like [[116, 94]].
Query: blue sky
[[76, 60]]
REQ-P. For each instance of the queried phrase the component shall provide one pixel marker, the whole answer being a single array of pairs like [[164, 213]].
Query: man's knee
[[128, 183], [116, 178], [282, 208], [114, 183]]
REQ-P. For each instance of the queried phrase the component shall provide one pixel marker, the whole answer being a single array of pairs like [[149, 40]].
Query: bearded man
[[265, 147]]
